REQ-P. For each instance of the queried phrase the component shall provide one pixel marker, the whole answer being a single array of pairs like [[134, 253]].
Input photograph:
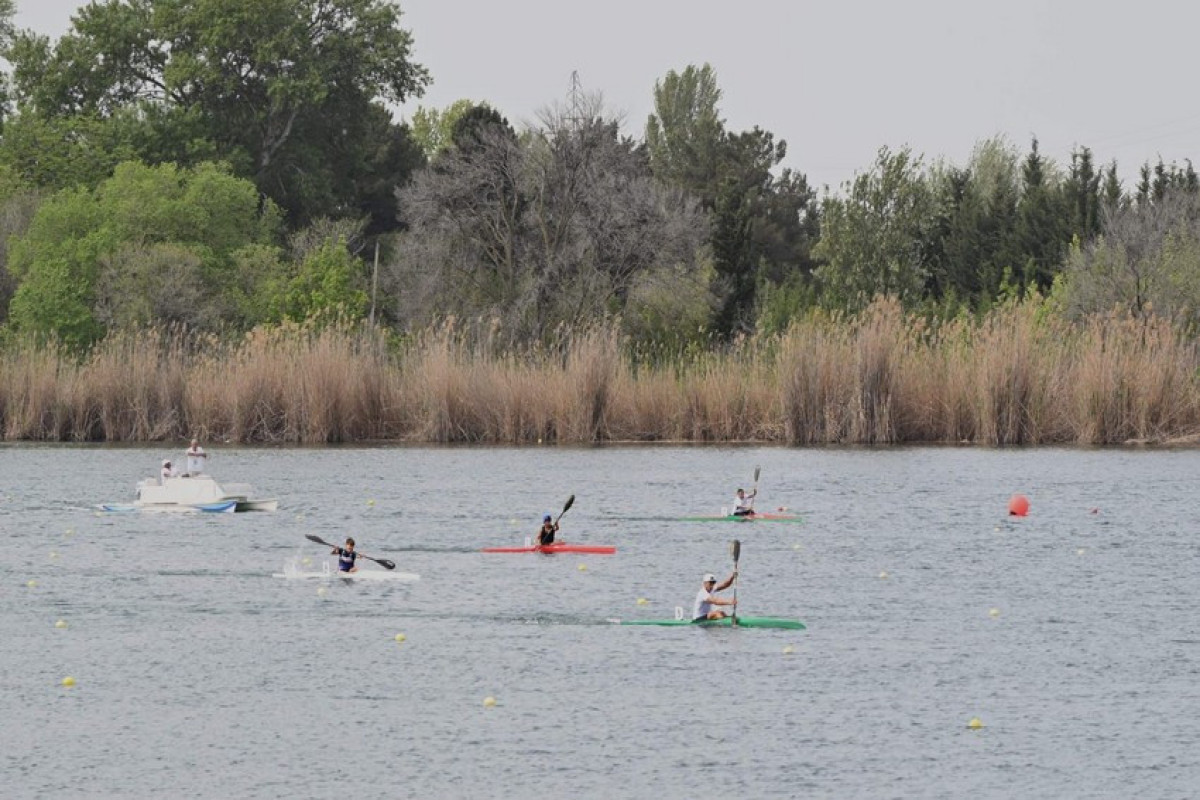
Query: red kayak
[[557, 547]]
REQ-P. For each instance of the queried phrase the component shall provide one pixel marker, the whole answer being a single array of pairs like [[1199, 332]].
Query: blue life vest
[[346, 560]]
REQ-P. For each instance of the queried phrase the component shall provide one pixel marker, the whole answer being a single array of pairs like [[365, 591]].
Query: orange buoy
[[1018, 505]]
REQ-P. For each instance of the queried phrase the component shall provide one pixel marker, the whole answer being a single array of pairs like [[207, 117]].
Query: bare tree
[[1146, 260], [555, 226]]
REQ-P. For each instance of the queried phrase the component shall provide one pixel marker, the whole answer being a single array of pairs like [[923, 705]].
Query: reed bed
[[1020, 375]]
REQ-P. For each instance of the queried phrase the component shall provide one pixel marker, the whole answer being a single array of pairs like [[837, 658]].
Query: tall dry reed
[[1019, 375]]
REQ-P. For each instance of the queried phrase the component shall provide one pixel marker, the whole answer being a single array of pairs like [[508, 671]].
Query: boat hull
[[193, 493], [727, 622], [746, 518], [368, 575], [597, 550]]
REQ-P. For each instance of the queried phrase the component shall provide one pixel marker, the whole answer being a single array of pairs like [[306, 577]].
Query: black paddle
[[755, 494], [383, 562], [570, 502], [735, 548]]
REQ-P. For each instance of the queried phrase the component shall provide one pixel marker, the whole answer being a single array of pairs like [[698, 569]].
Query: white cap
[[709, 577], [166, 463]]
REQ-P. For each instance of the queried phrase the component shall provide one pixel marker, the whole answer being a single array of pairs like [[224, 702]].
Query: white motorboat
[[194, 493]]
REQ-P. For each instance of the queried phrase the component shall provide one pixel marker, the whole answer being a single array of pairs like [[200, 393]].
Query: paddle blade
[[385, 563], [757, 470], [570, 502], [735, 550], [318, 540]]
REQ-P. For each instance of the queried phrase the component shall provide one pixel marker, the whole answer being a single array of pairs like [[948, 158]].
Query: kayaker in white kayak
[[346, 556], [167, 471], [546, 533], [707, 600], [743, 504]]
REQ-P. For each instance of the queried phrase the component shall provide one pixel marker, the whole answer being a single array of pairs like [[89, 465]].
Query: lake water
[[1073, 634]]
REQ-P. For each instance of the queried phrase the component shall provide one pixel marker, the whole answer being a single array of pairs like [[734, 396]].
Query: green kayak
[[747, 518], [727, 622]]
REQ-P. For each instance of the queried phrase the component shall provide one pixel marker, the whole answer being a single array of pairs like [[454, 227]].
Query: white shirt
[[703, 604], [195, 460], [741, 503], [167, 472]]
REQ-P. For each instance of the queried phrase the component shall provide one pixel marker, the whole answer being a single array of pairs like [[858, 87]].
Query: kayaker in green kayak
[[546, 533], [743, 504], [707, 600]]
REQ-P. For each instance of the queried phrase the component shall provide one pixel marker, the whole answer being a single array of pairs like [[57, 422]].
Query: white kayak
[[360, 574]]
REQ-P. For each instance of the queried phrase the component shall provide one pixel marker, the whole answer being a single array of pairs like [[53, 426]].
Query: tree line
[[222, 165]]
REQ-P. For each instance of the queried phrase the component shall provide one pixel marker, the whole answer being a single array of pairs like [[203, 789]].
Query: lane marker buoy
[[489, 702], [975, 724], [62, 623], [68, 681], [1018, 505], [400, 637]]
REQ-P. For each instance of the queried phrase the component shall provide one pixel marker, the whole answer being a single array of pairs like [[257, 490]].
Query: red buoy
[[1018, 505]]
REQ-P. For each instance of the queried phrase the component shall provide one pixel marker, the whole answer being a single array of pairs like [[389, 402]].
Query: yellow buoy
[[787, 651], [995, 612], [489, 701], [400, 637], [306, 561], [795, 547], [1079, 552], [642, 601], [31, 584], [53, 555], [370, 502], [68, 681], [975, 723], [583, 567], [883, 574], [322, 591], [62, 623], [70, 531], [996, 528]]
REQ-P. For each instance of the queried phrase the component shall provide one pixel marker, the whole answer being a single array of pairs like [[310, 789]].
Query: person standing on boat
[[166, 472], [346, 556], [707, 600], [196, 458], [546, 533], [743, 504]]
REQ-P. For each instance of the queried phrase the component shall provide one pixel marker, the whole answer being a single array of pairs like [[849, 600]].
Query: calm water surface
[[201, 675]]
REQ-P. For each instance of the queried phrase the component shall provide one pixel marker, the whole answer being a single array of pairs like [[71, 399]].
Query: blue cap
[[547, 518]]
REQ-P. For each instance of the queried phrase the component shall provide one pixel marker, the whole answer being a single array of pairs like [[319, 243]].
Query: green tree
[[433, 128], [1043, 223], [871, 238], [685, 133], [293, 91], [133, 223], [327, 282]]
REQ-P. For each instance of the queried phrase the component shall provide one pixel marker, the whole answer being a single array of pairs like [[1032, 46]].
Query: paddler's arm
[[726, 583]]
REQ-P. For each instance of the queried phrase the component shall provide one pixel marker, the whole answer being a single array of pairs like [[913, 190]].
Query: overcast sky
[[837, 80]]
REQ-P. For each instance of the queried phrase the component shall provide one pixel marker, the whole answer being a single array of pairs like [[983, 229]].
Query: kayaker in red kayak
[[706, 599], [743, 504], [546, 533], [346, 556]]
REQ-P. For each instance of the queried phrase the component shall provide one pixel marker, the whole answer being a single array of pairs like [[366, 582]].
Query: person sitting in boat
[[166, 472], [707, 600], [195, 458], [743, 504], [546, 533], [346, 556]]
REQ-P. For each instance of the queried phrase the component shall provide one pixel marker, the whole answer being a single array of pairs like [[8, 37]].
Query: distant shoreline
[[1018, 376]]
